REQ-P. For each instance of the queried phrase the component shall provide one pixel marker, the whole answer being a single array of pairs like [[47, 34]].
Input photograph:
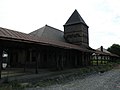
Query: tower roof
[[75, 18]]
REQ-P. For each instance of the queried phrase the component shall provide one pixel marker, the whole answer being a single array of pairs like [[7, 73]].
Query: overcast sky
[[102, 17]]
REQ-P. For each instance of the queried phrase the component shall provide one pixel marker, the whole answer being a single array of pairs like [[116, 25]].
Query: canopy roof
[[11, 35], [106, 53]]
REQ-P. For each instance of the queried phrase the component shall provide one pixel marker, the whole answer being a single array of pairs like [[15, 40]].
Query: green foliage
[[115, 48], [14, 85], [94, 62]]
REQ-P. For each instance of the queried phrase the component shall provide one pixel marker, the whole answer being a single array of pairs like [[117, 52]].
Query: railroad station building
[[48, 47]]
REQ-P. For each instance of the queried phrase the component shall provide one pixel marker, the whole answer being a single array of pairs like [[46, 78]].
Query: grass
[[94, 62], [11, 86]]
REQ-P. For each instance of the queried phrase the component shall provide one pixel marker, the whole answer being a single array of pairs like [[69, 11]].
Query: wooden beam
[[30, 55], [97, 60], [86, 59], [70, 59], [83, 59], [80, 59], [37, 59], [9, 57], [62, 61], [1, 52], [76, 60], [89, 58], [57, 61], [101, 59], [67, 59], [25, 60]]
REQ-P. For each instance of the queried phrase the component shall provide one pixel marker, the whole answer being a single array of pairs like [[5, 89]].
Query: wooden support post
[[67, 59], [97, 60], [108, 60], [57, 60], [37, 59], [1, 52], [93, 59], [86, 61], [90, 57], [9, 58], [15, 58], [104, 60], [83, 60], [47, 59], [76, 61], [62, 64], [25, 60], [30, 55], [101, 59], [89, 60], [80, 59]]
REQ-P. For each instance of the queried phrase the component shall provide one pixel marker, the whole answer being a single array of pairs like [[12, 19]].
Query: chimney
[[101, 48]]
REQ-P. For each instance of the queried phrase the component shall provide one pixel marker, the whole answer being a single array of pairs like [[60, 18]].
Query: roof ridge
[[43, 30], [36, 30], [53, 28]]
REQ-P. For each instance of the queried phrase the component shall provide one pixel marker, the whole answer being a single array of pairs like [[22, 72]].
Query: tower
[[76, 30]]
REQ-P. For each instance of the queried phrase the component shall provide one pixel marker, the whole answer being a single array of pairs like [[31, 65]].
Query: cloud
[[102, 17], [116, 19]]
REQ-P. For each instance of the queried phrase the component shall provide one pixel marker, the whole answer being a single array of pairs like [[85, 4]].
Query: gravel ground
[[102, 81]]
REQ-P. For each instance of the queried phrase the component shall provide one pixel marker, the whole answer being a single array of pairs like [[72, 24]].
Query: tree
[[115, 48]]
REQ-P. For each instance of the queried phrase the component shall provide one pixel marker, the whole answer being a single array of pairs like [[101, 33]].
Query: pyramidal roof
[[75, 18], [49, 32]]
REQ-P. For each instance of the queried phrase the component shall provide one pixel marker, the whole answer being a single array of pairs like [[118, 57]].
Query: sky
[[102, 17]]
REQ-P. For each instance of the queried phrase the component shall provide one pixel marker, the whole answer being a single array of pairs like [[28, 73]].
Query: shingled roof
[[75, 18], [49, 32]]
